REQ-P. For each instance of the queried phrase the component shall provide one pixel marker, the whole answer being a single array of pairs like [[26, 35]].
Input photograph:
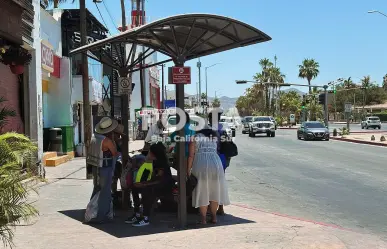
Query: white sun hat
[[106, 125]]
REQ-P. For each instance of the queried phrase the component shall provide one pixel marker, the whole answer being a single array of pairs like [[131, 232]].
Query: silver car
[[371, 122], [261, 125], [246, 122]]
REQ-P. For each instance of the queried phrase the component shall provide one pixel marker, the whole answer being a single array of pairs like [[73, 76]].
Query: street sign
[[124, 85], [180, 75], [348, 107], [292, 118]]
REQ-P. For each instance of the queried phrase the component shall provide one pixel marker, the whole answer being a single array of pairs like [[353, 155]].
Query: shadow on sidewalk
[[160, 223]]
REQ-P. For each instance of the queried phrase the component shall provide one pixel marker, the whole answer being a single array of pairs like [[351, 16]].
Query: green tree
[[17, 152], [5, 113], [216, 103], [290, 103], [309, 69]]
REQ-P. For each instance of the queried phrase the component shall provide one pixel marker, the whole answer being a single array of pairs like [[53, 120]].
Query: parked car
[[172, 122], [246, 124], [371, 122], [227, 128], [229, 120], [261, 125], [313, 130]]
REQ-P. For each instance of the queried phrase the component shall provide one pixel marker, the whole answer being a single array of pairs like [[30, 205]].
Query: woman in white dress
[[205, 164]]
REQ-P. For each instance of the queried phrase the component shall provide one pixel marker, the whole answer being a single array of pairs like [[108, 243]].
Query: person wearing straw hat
[[102, 155]]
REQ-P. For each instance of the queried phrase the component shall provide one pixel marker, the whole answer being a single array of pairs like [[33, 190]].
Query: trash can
[[56, 140]]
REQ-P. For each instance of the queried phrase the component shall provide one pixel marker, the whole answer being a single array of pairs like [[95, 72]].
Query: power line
[[103, 20], [110, 15]]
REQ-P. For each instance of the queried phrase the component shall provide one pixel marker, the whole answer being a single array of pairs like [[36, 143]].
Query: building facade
[[20, 82]]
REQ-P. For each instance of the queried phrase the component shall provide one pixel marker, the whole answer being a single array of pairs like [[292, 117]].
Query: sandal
[[220, 212]]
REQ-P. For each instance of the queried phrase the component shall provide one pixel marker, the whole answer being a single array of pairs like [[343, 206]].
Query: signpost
[[348, 111], [124, 85], [292, 118], [179, 75]]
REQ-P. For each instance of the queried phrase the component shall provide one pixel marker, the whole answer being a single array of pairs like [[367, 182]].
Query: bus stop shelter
[[180, 38]]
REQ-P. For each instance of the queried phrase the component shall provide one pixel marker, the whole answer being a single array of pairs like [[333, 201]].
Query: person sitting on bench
[[160, 183]]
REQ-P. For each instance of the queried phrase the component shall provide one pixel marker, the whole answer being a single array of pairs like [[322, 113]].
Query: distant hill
[[293, 89]]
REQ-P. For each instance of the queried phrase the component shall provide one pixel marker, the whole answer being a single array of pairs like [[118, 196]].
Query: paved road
[[328, 181], [355, 127]]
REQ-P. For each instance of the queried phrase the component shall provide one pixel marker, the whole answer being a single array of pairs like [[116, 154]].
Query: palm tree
[[5, 112], [56, 2], [216, 103], [16, 152], [315, 110], [365, 84], [276, 76], [309, 69]]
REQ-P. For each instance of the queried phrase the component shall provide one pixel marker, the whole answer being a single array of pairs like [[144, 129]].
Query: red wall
[[9, 90]]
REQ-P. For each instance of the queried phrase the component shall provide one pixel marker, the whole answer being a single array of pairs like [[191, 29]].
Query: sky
[[340, 35]]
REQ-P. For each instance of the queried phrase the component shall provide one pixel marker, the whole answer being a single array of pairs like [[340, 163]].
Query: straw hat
[[119, 129], [106, 125]]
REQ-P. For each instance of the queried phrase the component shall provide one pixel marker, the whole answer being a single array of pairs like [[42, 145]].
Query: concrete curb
[[293, 217], [358, 141], [366, 132]]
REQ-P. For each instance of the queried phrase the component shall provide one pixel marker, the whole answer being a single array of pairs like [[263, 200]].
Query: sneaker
[[141, 223], [132, 219]]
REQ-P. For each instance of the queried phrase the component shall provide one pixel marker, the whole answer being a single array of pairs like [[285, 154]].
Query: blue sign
[[169, 103]]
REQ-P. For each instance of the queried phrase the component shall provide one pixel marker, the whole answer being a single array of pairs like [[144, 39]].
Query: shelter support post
[[125, 137], [182, 161], [125, 142]]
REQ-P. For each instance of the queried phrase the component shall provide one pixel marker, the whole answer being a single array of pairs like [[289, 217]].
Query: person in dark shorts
[[160, 184]]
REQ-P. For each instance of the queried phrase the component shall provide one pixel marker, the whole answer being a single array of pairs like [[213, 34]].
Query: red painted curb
[[294, 218], [367, 132], [359, 141], [287, 128]]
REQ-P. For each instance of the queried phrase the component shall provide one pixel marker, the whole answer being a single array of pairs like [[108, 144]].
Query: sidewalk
[[363, 138], [63, 198]]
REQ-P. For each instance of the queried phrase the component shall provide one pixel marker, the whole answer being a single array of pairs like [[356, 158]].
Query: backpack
[[227, 146]]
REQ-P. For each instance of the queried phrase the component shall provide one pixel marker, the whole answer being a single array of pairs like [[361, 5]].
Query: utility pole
[[85, 80], [326, 105]]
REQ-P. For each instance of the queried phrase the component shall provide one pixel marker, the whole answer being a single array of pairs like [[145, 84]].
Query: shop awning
[[188, 36]]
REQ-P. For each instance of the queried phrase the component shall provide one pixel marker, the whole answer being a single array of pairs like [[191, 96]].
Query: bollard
[[372, 138]]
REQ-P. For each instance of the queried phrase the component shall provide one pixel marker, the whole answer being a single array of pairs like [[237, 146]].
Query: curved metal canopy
[[181, 37]]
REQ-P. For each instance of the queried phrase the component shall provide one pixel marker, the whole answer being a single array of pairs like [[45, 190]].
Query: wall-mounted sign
[[124, 85], [47, 57], [71, 37], [179, 75]]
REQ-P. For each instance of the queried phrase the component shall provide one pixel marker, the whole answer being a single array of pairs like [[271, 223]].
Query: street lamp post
[[206, 79], [376, 11]]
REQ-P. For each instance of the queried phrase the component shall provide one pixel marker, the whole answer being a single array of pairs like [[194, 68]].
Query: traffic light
[[321, 98]]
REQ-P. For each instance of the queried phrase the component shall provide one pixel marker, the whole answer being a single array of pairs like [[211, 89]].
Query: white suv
[[371, 122]]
